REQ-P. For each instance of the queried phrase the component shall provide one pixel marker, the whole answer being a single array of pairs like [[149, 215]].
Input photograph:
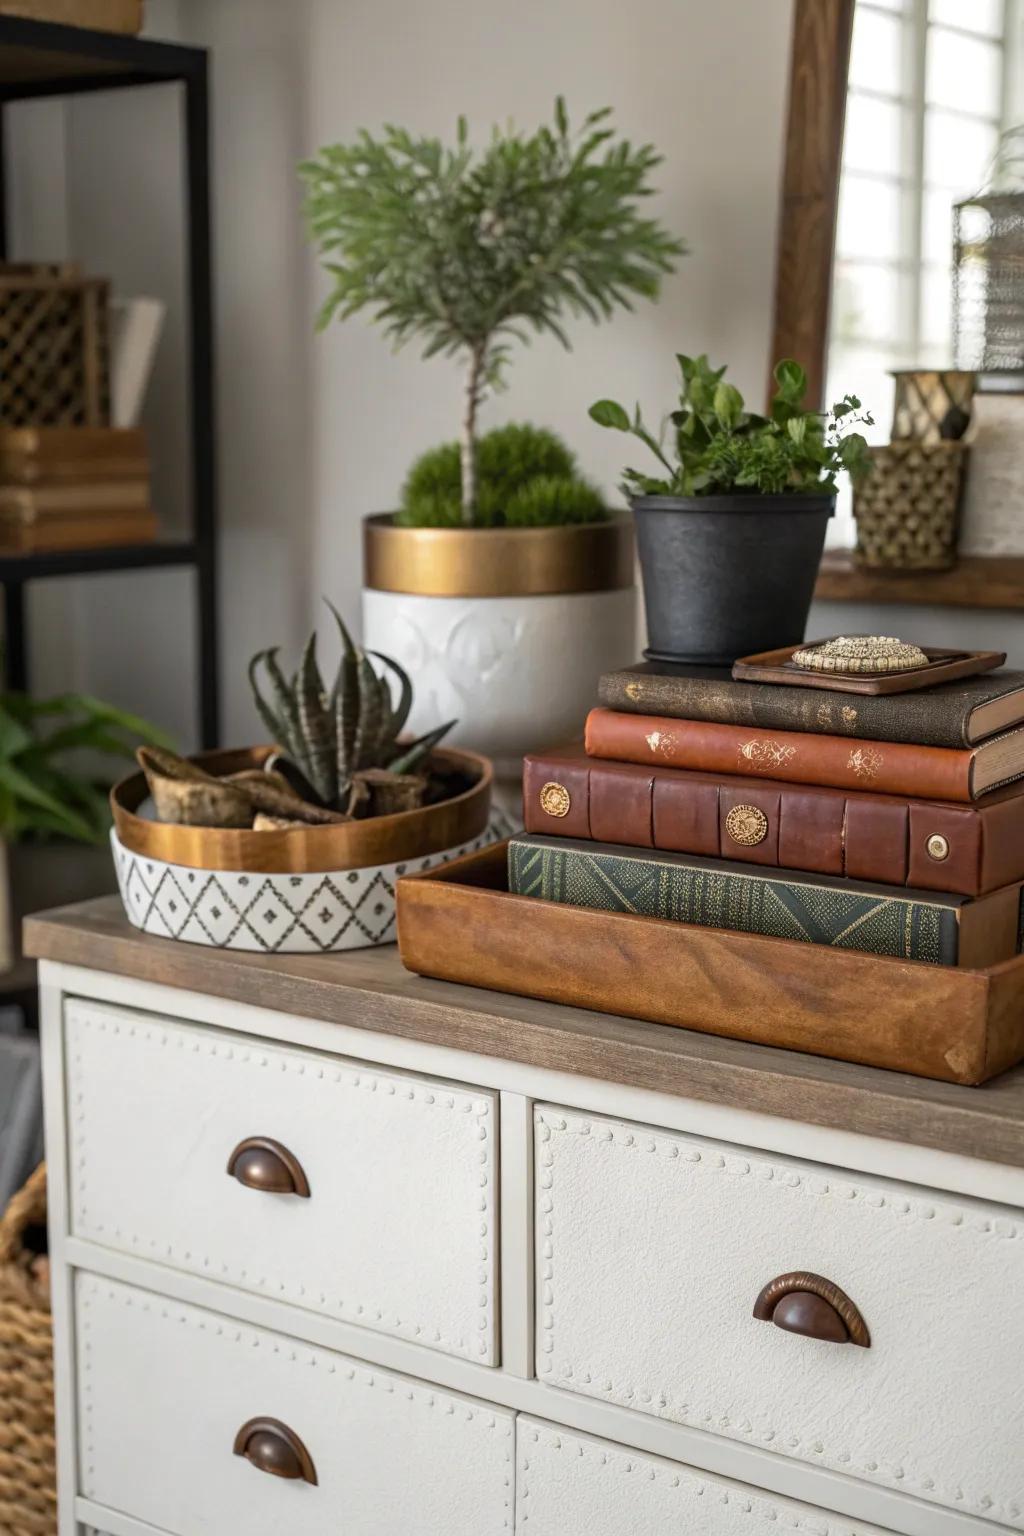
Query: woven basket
[[54, 345], [907, 509], [28, 1493]]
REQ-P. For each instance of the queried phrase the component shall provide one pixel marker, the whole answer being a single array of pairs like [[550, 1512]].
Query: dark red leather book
[[885, 767], [932, 845]]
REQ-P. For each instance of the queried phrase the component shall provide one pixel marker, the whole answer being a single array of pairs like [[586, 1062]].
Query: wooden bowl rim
[[323, 848]]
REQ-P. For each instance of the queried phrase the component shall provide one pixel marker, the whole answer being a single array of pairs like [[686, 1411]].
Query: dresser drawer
[[398, 1231], [652, 1249], [567, 1483], [167, 1392]]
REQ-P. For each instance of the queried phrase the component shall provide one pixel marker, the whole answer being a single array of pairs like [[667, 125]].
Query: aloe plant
[[330, 736]]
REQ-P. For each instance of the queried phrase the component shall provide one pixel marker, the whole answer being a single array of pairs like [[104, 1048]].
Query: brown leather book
[[53, 534], [933, 845], [885, 767], [35, 504], [56, 445]]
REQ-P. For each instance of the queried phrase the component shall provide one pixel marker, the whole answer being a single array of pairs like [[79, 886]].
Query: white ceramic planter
[[282, 914], [519, 673]]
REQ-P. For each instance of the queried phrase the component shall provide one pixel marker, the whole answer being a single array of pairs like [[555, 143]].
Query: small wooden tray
[[943, 667], [461, 924]]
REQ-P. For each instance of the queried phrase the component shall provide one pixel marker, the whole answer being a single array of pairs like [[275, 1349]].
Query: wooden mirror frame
[[805, 250], [805, 256]]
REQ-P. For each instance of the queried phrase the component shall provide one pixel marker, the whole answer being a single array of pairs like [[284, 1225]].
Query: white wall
[[316, 431], [704, 81]]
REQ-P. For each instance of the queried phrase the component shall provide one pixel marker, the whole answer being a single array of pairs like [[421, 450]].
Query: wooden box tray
[[943, 666], [460, 923]]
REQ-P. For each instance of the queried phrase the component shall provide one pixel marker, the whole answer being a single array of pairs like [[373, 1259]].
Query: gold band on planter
[[497, 562], [307, 850]]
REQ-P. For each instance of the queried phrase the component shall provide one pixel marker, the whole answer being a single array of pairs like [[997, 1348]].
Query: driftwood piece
[[391, 792], [185, 794], [272, 794], [264, 822]]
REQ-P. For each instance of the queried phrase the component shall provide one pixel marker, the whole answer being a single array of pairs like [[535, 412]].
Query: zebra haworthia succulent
[[332, 736]]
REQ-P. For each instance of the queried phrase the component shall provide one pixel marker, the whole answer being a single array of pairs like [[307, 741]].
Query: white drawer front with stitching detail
[[568, 1482], [652, 1248], [398, 1233], [165, 1389]]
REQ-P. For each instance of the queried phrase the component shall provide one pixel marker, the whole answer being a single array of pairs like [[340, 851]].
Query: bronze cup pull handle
[[804, 1303], [260, 1163], [272, 1447]]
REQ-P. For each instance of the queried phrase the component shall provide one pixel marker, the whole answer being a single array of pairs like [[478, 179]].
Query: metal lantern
[[988, 267]]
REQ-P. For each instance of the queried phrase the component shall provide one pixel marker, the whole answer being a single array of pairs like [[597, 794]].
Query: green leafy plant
[[720, 447], [329, 737], [469, 251], [47, 785], [526, 476]]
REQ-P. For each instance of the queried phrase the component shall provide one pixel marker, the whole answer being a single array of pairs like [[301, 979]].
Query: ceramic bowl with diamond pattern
[[271, 914], [306, 890]]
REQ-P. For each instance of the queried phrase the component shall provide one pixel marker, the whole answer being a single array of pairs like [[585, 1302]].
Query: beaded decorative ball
[[861, 653]]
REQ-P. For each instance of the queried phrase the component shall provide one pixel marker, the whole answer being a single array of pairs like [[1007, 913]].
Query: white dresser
[[338, 1251]]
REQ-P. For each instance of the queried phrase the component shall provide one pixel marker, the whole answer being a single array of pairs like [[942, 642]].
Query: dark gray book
[[958, 714]]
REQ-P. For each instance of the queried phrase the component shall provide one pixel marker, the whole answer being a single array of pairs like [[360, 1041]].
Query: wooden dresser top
[[370, 988]]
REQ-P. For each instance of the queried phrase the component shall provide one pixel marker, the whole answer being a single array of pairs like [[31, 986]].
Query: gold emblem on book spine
[[865, 763], [747, 825], [763, 756], [555, 800]]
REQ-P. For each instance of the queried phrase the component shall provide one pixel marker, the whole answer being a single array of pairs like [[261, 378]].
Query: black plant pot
[[727, 576]]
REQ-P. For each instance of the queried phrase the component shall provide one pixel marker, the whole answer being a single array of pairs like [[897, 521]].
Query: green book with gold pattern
[[778, 903]]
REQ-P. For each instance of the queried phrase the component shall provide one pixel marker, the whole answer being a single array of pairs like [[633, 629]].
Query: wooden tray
[[943, 667], [459, 923]]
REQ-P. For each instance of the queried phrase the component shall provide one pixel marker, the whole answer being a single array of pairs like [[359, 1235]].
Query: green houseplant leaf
[[468, 251], [49, 785], [721, 448]]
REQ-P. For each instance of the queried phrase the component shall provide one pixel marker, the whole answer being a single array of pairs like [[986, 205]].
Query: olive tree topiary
[[470, 250]]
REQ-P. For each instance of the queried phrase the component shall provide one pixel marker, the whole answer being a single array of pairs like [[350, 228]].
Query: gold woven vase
[[907, 510]]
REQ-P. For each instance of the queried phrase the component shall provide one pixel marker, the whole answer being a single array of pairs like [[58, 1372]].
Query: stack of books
[[890, 823], [73, 488]]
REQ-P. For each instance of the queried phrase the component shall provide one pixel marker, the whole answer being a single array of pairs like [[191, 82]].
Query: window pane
[[864, 307], [957, 151], [875, 60], [868, 219], [937, 228], [970, 15], [872, 137], [964, 73], [936, 317]]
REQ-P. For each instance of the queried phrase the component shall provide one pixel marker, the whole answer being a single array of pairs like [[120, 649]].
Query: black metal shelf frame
[[39, 59]]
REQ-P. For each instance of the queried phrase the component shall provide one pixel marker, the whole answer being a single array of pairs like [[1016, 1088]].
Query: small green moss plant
[[526, 477], [722, 448], [470, 251]]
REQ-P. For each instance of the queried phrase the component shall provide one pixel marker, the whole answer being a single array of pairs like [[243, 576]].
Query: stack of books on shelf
[[888, 823], [73, 488]]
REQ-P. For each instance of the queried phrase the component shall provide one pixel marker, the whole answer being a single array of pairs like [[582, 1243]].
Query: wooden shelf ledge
[[976, 581]]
